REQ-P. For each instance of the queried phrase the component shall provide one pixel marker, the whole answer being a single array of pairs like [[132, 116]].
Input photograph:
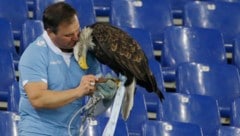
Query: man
[[51, 82]]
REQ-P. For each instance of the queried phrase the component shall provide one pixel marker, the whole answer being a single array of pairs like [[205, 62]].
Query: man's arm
[[41, 97]]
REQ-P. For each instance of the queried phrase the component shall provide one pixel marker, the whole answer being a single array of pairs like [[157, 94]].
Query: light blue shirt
[[43, 61]]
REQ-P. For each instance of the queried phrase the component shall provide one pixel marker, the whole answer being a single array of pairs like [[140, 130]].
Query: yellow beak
[[83, 63]]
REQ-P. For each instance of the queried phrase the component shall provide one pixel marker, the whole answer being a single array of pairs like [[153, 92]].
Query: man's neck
[[66, 50]]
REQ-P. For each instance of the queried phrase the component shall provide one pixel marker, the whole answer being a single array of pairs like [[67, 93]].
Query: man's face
[[67, 34]]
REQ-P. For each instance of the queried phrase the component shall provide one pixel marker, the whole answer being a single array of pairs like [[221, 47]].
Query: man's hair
[[56, 14]]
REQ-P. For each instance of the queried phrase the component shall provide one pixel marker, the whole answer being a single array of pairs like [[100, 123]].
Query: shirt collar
[[52, 46]]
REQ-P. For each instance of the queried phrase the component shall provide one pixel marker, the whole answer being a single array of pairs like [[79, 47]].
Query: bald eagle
[[115, 48]]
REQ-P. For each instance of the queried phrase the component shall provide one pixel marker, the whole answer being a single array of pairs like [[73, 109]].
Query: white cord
[[69, 124]]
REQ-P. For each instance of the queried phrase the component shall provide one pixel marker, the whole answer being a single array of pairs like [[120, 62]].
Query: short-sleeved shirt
[[43, 61]]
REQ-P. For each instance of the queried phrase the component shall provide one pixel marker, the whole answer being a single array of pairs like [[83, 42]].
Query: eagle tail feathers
[[128, 100]]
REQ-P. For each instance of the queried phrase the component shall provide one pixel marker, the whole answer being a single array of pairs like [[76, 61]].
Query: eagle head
[[82, 46]]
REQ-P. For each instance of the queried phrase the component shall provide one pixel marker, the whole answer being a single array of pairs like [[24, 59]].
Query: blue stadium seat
[[97, 126], [188, 44], [236, 52], [9, 91], [228, 131], [195, 109], [85, 10], [40, 5], [138, 114], [220, 81], [228, 0], [8, 123], [163, 128], [177, 7], [150, 15], [217, 15], [30, 31], [16, 12], [235, 113], [102, 7], [7, 41]]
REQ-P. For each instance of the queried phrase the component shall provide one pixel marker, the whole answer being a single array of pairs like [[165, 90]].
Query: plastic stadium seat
[[85, 10], [235, 113], [195, 109], [40, 5], [150, 15], [97, 126], [7, 41], [228, 131], [30, 31], [216, 15], [102, 7], [8, 123], [177, 7], [16, 12], [163, 128], [228, 0], [236, 52], [220, 81], [138, 114], [9, 91], [188, 44]]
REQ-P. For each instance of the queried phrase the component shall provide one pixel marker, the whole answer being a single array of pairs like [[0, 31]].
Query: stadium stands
[[212, 14], [7, 41], [96, 126], [30, 31], [85, 10], [228, 131], [8, 123], [170, 128], [150, 15], [9, 91], [102, 7], [16, 12], [138, 114], [235, 113], [195, 109], [188, 44], [220, 81]]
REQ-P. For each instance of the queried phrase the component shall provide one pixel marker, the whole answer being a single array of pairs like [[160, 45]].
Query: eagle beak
[[83, 63]]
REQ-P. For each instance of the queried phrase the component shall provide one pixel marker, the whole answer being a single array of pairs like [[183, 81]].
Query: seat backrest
[[177, 7], [40, 5], [97, 126], [220, 81], [235, 113], [236, 52], [228, 131], [138, 114], [15, 12], [188, 44], [7, 74], [30, 31], [8, 123], [150, 15], [6, 38], [212, 14], [171, 128], [85, 10], [196, 109], [102, 7]]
